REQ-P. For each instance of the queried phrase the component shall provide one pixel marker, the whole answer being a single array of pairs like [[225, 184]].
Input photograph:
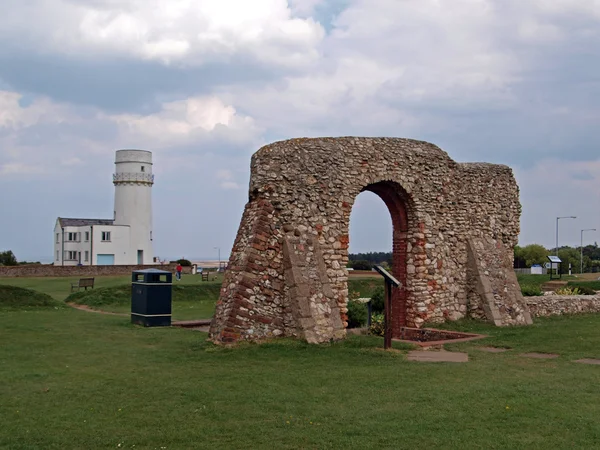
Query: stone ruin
[[454, 229]]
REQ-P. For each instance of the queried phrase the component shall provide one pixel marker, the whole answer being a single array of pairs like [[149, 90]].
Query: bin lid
[[151, 271]]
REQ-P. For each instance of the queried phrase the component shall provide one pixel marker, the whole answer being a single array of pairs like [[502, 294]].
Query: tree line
[[525, 257]]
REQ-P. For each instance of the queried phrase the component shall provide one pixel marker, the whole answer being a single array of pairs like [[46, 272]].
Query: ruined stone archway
[[457, 225]]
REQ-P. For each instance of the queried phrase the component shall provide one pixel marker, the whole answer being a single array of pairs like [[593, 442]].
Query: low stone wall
[[556, 305], [47, 270]]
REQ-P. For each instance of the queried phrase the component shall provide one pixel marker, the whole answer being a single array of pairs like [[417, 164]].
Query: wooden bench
[[206, 274], [83, 283]]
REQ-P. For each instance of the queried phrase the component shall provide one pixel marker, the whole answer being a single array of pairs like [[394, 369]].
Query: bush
[[361, 265], [378, 300], [568, 291], [584, 290], [531, 291], [8, 258], [357, 314], [594, 285], [377, 327], [184, 262]]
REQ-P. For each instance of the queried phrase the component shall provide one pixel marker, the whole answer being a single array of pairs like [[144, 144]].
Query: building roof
[[65, 222]]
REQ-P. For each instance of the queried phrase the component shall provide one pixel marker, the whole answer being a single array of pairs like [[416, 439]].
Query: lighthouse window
[[143, 169], [105, 236]]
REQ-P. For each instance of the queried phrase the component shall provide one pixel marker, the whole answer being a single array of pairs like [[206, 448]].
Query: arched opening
[[396, 200]]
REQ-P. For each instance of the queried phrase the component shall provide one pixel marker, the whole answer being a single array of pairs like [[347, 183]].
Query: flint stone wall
[[47, 270], [286, 274], [556, 305]]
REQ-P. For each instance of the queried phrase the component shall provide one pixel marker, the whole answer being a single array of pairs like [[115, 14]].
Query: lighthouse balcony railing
[[133, 177]]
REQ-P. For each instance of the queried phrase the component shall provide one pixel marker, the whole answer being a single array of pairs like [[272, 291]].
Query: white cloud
[[14, 116], [20, 169], [226, 179], [185, 121], [184, 31]]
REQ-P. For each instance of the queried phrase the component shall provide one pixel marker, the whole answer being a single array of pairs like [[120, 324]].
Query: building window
[[87, 236], [71, 255], [86, 256], [73, 237], [58, 238], [143, 169], [105, 236], [57, 255]]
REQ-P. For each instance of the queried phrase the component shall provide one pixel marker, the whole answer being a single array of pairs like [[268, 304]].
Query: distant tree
[[534, 254], [372, 257], [569, 255], [361, 265], [7, 258], [184, 262], [519, 258]]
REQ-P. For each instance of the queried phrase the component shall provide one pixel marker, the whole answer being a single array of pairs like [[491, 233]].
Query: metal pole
[[562, 217], [581, 254], [219, 250], [556, 248], [387, 339]]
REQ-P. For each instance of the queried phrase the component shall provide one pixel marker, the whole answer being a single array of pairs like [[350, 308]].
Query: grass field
[[189, 301], [76, 380], [71, 379], [60, 287]]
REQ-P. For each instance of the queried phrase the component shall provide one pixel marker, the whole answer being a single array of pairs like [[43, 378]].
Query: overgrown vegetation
[[16, 298]]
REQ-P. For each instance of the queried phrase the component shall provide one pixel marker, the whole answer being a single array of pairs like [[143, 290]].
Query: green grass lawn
[[60, 287], [188, 301], [76, 380]]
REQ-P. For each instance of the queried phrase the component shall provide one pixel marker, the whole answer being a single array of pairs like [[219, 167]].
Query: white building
[[125, 239]]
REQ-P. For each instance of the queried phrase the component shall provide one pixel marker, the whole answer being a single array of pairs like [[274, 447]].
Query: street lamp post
[[564, 217], [581, 247], [556, 254], [219, 250]]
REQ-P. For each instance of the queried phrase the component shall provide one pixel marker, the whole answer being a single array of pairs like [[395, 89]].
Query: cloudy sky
[[204, 83]]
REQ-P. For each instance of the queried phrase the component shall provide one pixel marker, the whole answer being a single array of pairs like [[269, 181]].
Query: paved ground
[[589, 361], [493, 349], [443, 356], [540, 355]]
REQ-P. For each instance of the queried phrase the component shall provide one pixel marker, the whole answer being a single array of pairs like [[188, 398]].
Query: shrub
[[184, 262], [584, 290], [378, 300], [531, 291], [594, 285], [568, 291], [357, 314], [361, 265], [377, 327], [7, 258]]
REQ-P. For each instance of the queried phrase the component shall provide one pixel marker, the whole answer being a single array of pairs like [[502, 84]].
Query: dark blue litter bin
[[151, 297]]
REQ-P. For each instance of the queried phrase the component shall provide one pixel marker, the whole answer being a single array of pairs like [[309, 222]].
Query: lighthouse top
[[133, 156]]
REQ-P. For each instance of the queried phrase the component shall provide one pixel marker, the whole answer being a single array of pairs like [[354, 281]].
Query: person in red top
[[178, 274]]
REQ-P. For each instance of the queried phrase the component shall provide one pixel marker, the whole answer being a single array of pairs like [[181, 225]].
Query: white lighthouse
[[133, 182], [126, 239]]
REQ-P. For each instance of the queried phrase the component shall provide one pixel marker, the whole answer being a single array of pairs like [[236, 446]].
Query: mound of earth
[[121, 295], [16, 298]]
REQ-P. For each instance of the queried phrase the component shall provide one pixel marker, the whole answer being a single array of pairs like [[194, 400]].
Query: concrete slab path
[[443, 356]]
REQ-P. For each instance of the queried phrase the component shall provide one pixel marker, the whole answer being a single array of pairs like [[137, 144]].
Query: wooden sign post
[[390, 282]]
